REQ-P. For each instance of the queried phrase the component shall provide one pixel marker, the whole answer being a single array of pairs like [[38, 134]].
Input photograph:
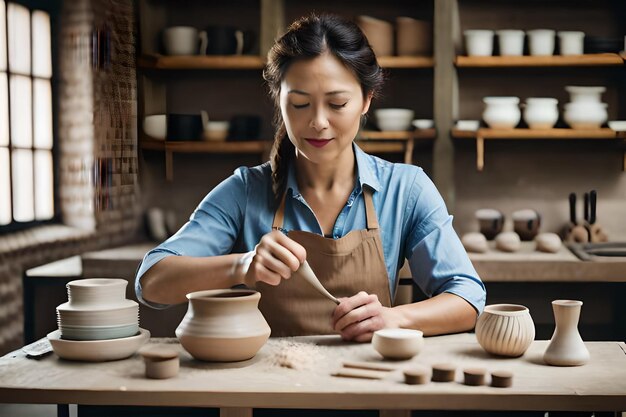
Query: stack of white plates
[[97, 310]]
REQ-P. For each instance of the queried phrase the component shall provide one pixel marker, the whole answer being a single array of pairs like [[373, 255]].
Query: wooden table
[[262, 382]]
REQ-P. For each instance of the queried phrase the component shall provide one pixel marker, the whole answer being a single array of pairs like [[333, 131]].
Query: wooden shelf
[[483, 134], [606, 59], [262, 147], [406, 61], [187, 62], [191, 62], [372, 141]]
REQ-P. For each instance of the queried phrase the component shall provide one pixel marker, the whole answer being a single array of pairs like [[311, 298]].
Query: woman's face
[[321, 102]]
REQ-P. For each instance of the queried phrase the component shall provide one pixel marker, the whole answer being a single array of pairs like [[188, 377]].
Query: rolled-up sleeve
[[211, 230], [436, 256]]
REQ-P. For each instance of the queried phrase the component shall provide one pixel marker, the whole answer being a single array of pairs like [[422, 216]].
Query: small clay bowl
[[161, 362], [398, 344]]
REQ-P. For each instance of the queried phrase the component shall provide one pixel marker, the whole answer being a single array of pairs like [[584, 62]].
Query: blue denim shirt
[[414, 224]]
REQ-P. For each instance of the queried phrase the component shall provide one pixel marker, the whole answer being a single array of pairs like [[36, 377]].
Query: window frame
[[53, 9]]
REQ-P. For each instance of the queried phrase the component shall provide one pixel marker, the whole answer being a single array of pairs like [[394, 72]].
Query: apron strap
[[370, 212]]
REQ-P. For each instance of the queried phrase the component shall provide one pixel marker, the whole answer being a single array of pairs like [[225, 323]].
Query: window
[[26, 132]]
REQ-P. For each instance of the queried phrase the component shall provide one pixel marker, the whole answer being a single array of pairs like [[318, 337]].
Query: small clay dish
[[161, 362], [398, 344], [474, 376], [417, 375], [501, 379], [444, 372]]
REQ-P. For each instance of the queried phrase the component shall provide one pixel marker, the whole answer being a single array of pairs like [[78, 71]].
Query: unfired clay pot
[[223, 325], [566, 347], [505, 329]]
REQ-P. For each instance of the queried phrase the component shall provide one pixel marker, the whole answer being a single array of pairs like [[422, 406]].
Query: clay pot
[[505, 329], [541, 112], [379, 34], [566, 347], [501, 112], [223, 325], [414, 37]]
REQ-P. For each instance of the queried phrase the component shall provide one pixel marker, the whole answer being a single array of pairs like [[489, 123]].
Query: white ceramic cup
[[511, 42], [571, 42], [180, 40], [479, 42], [155, 126], [541, 42]]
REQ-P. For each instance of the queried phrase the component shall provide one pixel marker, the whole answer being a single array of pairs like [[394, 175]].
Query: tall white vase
[[566, 347]]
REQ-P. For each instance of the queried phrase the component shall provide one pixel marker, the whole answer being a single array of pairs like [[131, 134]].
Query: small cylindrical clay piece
[[417, 375], [443, 372], [501, 379], [161, 362], [474, 376]]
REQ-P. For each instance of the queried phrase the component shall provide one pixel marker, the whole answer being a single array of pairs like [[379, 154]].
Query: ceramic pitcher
[[223, 325], [566, 347]]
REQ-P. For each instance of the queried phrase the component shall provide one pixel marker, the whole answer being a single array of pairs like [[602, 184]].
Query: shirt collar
[[365, 173]]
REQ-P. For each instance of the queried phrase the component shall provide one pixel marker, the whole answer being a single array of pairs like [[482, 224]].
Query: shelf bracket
[[408, 150], [480, 153]]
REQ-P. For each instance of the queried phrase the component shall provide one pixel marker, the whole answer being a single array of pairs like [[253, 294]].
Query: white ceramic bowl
[[98, 332], [155, 126], [468, 125], [394, 119], [423, 123], [398, 343], [618, 125], [94, 292], [127, 313], [97, 350], [216, 130]]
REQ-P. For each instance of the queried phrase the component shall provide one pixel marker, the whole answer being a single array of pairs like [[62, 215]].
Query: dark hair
[[306, 38]]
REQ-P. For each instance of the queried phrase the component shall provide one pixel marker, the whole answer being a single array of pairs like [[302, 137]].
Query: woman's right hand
[[276, 257]]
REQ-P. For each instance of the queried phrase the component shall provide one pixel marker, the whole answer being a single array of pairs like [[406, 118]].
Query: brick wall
[[97, 148]]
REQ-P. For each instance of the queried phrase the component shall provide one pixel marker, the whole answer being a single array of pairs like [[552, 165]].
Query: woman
[[352, 216]]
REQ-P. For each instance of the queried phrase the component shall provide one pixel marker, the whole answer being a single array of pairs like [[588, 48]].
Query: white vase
[[566, 347], [541, 113], [501, 112]]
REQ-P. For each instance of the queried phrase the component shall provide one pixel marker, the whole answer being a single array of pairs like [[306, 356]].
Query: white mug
[[479, 42], [541, 42], [571, 42], [181, 40], [511, 42]]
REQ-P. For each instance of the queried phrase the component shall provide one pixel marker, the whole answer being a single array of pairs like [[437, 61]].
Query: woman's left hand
[[356, 318]]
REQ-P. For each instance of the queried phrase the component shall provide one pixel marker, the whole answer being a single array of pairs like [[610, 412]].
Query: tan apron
[[344, 266]]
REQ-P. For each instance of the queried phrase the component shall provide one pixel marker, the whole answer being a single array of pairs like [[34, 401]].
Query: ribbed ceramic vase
[[566, 347], [223, 325], [505, 329]]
